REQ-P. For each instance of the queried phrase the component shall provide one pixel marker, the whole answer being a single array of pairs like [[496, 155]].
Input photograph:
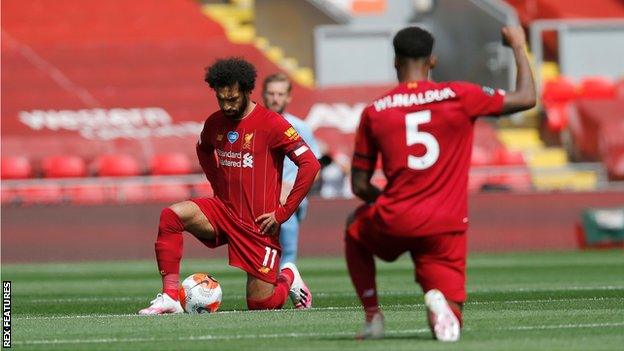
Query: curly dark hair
[[228, 71], [413, 42]]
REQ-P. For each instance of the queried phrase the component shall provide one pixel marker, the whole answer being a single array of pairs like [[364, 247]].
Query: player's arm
[[306, 133], [308, 137], [361, 185], [288, 142], [307, 169], [207, 159], [364, 162], [523, 98]]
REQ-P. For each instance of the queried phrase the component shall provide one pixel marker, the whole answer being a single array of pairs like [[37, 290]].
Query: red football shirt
[[423, 131], [243, 161]]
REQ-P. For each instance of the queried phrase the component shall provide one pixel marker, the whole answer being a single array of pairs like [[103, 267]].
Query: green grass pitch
[[525, 301]]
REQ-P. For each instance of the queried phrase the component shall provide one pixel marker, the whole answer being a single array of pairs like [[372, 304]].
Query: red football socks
[[168, 249], [277, 300], [361, 266], [287, 276]]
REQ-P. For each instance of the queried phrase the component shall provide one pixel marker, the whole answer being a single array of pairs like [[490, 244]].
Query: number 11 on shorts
[[270, 253]]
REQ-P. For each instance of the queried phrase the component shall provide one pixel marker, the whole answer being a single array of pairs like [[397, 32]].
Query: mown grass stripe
[[298, 335]]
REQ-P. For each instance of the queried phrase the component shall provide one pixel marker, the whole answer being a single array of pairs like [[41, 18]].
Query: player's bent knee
[[194, 220], [170, 221], [184, 210]]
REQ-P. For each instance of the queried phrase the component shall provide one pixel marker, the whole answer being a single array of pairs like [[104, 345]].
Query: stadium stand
[[564, 98], [131, 87], [529, 11], [596, 131], [170, 164], [557, 93], [117, 165]]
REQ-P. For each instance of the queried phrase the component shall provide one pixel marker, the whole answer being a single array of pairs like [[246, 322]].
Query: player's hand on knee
[[268, 223]]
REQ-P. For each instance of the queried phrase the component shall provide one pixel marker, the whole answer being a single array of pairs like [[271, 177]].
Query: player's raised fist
[[513, 36]]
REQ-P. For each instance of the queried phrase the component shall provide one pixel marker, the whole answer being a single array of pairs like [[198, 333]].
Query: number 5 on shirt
[[413, 136]]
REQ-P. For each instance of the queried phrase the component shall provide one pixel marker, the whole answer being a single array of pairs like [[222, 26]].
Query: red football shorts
[[439, 260], [256, 254]]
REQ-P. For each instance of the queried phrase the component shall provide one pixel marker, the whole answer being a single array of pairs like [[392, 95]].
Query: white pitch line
[[561, 288], [89, 299], [329, 308], [232, 296], [293, 335], [209, 337], [338, 294], [566, 326]]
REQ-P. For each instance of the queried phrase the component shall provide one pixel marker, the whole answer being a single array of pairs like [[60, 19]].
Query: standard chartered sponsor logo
[[247, 160], [228, 154], [229, 163], [235, 159]]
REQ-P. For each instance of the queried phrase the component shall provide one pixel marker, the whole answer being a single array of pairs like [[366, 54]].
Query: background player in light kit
[[250, 143], [423, 131], [276, 92]]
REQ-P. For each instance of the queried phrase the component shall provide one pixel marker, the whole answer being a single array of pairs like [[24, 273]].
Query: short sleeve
[[308, 136], [480, 100], [285, 138], [365, 153]]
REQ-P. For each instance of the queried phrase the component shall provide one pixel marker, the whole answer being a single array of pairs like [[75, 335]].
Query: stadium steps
[[549, 166], [236, 18]]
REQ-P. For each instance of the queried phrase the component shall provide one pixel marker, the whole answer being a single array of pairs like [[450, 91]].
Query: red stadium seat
[[15, 167], [86, 194], [557, 116], [559, 90], [118, 165], [171, 163], [597, 88], [40, 194], [63, 167], [556, 95], [168, 192]]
